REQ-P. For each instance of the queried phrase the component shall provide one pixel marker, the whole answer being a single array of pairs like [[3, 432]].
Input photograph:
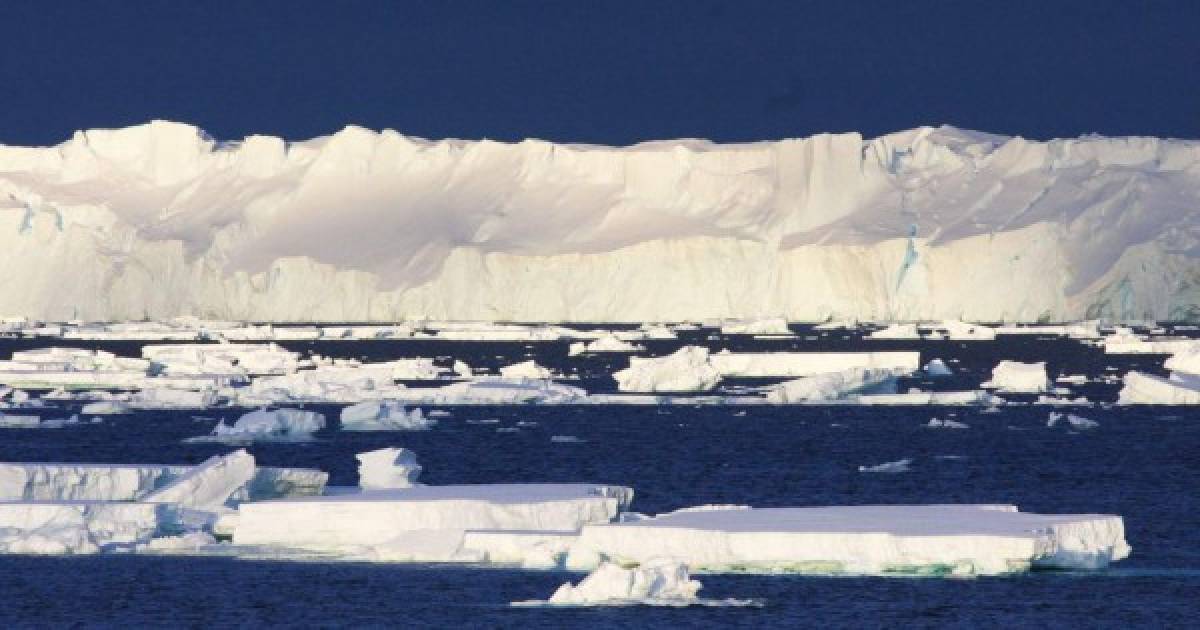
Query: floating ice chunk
[[496, 391], [384, 415], [378, 517], [953, 398], [795, 364], [462, 369], [955, 330], [191, 541], [419, 369], [898, 539], [763, 326], [896, 331], [566, 439], [937, 368], [388, 468], [606, 343], [935, 423], [169, 398], [1017, 377], [658, 582], [898, 466], [278, 425], [1147, 389], [525, 369], [326, 383], [74, 527], [12, 421], [1187, 362], [209, 485], [1075, 422], [687, 370], [106, 408], [254, 359], [833, 386], [1079, 401]]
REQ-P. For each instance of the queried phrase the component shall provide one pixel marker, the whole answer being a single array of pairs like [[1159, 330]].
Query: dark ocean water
[[1141, 463]]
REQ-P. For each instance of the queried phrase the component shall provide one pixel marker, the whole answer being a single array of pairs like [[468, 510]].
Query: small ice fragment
[[898, 466], [388, 468]]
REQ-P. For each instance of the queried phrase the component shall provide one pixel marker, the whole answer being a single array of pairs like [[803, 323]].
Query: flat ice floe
[[1016, 377], [379, 517], [923, 539], [796, 364]]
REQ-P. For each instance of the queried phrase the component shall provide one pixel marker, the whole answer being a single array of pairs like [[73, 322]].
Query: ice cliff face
[[159, 220]]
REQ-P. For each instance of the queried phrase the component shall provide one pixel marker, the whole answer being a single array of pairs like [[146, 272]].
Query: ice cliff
[[160, 220]]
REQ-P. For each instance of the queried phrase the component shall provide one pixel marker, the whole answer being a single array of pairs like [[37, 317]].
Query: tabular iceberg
[[159, 220]]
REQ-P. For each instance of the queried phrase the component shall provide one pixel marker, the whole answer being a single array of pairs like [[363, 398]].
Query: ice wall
[[159, 220]]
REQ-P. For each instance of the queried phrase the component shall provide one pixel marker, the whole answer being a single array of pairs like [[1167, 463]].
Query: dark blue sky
[[608, 72]]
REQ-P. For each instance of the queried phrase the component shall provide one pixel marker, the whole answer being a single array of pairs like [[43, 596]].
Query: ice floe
[[1016, 377], [276, 425], [384, 415], [687, 370], [388, 469]]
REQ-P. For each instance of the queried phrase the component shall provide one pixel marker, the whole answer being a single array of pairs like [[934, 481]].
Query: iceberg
[[872, 540], [379, 517], [658, 582], [833, 386], [1017, 377], [687, 370], [209, 485], [795, 364], [388, 469], [525, 369], [75, 527], [898, 466], [938, 368], [1146, 389], [277, 425], [806, 229], [384, 415], [605, 343]]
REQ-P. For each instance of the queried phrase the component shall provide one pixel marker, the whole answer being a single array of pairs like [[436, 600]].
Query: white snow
[[938, 368], [833, 386], [1017, 377], [209, 485], [794, 364], [922, 224], [525, 369], [658, 582], [898, 466], [605, 343], [896, 331], [1072, 420], [686, 370], [380, 516], [1147, 389], [388, 469], [938, 423], [959, 539], [384, 415], [277, 425]]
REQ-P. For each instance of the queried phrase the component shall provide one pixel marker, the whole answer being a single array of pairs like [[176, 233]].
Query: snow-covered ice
[[276, 425], [686, 370], [898, 539], [384, 415], [1017, 377], [388, 469]]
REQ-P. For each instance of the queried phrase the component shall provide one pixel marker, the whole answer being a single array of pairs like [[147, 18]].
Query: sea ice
[[277, 425], [525, 369], [1016, 377], [796, 364], [388, 469], [687, 370], [935, 423], [384, 415], [1072, 420], [1147, 389], [897, 539], [658, 582], [898, 466]]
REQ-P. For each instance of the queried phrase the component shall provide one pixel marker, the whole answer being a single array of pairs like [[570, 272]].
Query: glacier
[[935, 223]]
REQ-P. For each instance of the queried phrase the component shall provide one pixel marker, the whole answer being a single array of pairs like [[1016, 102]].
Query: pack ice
[[831, 226]]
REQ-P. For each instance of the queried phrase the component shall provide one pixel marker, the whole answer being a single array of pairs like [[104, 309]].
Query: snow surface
[[388, 469], [378, 517], [159, 220], [277, 425], [686, 370], [960, 539], [1017, 377], [384, 415]]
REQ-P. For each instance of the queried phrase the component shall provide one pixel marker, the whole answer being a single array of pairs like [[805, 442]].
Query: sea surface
[[1142, 463]]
